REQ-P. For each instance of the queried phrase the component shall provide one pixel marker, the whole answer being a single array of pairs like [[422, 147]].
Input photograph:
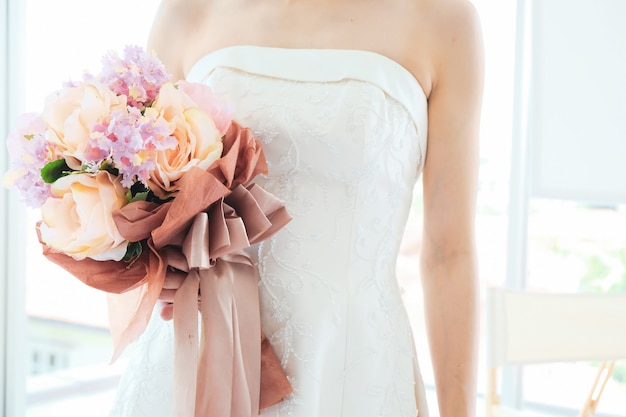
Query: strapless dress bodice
[[344, 133]]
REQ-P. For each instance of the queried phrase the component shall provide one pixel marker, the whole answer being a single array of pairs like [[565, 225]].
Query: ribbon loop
[[229, 358]]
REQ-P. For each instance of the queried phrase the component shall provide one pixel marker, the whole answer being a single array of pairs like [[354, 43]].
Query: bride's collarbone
[[317, 20], [313, 24]]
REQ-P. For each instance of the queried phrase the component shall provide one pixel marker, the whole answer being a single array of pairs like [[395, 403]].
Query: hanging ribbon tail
[[186, 345], [274, 384], [133, 289], [229, 370], [130, 312], [231, 367], [222, 376]]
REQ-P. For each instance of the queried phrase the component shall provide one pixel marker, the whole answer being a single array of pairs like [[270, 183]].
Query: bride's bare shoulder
[[169, 35], [453, 33], [448, 20], [448, 12]]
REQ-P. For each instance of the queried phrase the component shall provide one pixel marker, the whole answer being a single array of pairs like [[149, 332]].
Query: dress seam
[[353, 226]]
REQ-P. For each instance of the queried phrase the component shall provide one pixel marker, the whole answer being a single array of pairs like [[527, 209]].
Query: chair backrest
[[535, 327]]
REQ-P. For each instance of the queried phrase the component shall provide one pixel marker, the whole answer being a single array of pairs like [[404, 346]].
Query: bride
[[353, 100]]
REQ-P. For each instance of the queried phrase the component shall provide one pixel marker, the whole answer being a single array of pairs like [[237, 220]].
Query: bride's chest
[[339, 132]]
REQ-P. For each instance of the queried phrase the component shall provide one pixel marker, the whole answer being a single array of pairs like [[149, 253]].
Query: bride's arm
[[448, 259]]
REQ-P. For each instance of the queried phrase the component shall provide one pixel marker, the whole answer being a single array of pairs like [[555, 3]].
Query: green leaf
[[133, 251], [54, 170], [142, 196], [137, 192]]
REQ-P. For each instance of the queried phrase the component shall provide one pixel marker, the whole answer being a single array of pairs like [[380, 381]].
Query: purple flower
[[29, 153], [129, 141], [33, 189], [137, 75]]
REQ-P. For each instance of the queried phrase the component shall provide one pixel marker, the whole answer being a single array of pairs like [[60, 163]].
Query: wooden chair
[[531, 327]]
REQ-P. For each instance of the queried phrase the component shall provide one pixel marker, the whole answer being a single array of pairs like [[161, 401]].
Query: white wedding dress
[[344, 133]]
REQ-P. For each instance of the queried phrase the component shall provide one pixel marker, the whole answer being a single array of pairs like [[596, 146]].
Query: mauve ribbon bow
[[222, 376]]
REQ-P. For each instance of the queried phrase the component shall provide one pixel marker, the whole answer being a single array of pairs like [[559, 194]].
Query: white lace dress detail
[[344, 133]]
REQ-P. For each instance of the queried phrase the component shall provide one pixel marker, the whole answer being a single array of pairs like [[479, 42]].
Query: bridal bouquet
[[134, 174]]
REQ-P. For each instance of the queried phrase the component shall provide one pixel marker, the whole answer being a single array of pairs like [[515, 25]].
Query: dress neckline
[[305, 51], [319, 65]]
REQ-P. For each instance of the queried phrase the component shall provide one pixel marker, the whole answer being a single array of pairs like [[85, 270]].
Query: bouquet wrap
[[231, 370]]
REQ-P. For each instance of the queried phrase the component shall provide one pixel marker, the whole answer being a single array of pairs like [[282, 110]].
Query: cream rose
[[199, 140], [78, 219], [71, 112]]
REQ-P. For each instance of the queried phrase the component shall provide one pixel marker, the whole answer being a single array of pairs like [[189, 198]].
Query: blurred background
[[551, 203]]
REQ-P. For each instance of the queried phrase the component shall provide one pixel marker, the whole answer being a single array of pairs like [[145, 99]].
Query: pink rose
[[78, 219], [221, 112], [70, 114], [199, 141]]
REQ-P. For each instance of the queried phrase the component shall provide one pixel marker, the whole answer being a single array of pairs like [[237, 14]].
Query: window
[[575, 248], [68, 347]]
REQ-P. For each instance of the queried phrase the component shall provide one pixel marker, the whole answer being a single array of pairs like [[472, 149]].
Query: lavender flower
[[137, 75], [128, 141], [29, 153]]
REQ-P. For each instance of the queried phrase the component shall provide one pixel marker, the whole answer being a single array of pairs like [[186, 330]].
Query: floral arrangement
[[135, 173], [128, 133]]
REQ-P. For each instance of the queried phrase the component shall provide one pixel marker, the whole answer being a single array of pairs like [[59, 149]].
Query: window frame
[[12, 313], [521, 196]]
